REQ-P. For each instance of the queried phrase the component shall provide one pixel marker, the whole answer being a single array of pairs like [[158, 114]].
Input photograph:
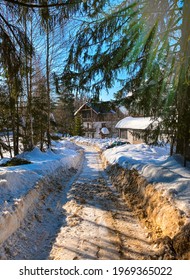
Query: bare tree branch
[[11, 28]]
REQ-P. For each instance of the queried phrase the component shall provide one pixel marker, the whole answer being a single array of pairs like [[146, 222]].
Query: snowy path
[[99, 225], [86, 219]]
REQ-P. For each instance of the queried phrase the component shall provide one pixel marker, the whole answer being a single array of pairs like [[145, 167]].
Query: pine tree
[[16, 58], [64, 113], [5, 124], [183, 89], [78, 126], [143, 45]]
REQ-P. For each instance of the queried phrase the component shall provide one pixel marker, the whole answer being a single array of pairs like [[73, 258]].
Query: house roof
[[99, 107], [134, 123], [80, 108]]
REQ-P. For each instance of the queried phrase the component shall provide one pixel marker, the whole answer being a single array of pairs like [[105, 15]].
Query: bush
[[15, 162]]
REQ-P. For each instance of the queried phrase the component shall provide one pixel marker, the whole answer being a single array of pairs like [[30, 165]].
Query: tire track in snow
[[99, 223], [34, 238], [80, 218]]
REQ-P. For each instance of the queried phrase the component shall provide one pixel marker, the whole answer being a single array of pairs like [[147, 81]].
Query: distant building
[[133, 128], [98, 115]]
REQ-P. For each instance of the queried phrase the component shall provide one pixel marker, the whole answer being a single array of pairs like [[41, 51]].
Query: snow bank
[[20, 186], [16, 181], [101, 144], [157, 167], [151, 162], [157, 187]]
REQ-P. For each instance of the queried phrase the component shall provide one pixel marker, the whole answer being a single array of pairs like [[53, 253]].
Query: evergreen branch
[[33, 5]]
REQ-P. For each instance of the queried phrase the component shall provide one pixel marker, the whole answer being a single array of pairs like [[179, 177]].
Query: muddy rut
[[82, 218]]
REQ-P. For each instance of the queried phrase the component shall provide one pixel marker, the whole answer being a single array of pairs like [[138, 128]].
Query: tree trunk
[[29, 120], [183, 98], [48, 85]]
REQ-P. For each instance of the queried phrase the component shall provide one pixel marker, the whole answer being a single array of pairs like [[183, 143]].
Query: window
[[124, 134]]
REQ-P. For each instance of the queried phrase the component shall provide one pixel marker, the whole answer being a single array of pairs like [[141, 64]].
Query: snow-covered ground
[[16, 181], [152, 162]]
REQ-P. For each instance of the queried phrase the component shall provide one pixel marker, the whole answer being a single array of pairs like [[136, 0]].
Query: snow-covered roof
[[80, 108], [104, 130], [134, 123], [123, 110]]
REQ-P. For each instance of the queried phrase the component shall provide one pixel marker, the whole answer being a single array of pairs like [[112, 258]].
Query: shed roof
[[134, 123]]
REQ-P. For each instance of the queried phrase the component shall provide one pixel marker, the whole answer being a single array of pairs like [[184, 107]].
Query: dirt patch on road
[[100, 226], [168, 226], [99, 223]]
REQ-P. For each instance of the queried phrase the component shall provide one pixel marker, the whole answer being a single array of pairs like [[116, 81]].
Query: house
[[134, 128], [98, 115]]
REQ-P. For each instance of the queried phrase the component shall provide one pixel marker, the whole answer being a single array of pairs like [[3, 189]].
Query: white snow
[[134, 123], [15, 181], [152, 162], [155, 164], [104, 130], [123, 110]]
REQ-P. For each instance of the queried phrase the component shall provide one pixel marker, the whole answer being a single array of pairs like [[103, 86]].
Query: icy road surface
[[85, 218]]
